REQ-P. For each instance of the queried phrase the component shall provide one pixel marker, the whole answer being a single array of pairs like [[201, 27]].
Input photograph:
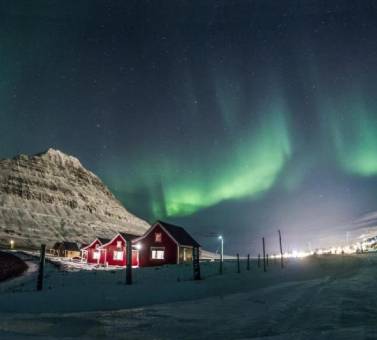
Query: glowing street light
[[221, 254], [138, 246], [11, 244]]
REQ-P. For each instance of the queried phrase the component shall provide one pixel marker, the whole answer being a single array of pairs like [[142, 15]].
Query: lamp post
[[221, 254]]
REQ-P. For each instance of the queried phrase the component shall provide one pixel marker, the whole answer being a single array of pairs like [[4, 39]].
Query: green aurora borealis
[[233, 116], [246, 168], [355, 140]]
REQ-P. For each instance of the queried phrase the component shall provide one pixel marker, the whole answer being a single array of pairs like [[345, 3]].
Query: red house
[[110, 252], [114, 251], [165, 243], [92, 252]]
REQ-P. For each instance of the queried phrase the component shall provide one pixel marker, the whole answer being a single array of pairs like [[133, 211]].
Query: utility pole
[[264, 255], [248, 262], [281, 250]]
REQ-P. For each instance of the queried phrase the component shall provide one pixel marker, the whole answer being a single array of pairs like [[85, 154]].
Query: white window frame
[[158, 253], [119, 244], [159, 236], [96, 255], [118, 255]]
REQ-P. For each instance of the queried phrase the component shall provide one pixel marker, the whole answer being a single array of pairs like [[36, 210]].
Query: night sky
[[231, 117]]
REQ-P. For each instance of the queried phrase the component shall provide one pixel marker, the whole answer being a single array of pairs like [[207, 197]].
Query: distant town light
[[11, 244]]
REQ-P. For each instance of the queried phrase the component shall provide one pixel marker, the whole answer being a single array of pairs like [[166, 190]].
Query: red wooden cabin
[[114, 251], [110, 252], [165, 243], [92, 252]]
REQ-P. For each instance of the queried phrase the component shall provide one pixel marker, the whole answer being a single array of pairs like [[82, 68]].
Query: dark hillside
[[10, 266]]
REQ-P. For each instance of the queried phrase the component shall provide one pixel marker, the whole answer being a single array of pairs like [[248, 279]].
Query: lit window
[[118, 255], [158, 254], [119, 244], [96, 255], [158, 237]]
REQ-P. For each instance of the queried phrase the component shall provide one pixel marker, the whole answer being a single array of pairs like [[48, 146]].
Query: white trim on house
[[89, 245], [151, 229], [118, 234]]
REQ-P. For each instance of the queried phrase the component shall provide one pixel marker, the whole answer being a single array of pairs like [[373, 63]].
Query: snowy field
[[327, 297]]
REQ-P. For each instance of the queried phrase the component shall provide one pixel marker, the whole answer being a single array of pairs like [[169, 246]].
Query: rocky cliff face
[[50, 197]]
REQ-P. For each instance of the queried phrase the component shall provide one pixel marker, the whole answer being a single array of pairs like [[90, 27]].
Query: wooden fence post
[[129, 262], [41, 267], [196, 263], [264, 255], [281, 251], [267, 259], [238, 264], [248, 262]]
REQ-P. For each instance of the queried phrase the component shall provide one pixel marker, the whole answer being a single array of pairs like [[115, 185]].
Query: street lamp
[[11, 244], [221, 254]]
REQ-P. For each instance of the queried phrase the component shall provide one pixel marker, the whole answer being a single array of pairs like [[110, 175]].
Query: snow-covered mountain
[[50, 196]]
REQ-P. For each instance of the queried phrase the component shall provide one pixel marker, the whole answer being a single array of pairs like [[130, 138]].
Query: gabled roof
[[56, 245], [125, 237], [179, 234], [100, 239], [66, 245], [73, 246]]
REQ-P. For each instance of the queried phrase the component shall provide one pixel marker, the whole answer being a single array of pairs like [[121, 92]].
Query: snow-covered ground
[[316, 297]]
